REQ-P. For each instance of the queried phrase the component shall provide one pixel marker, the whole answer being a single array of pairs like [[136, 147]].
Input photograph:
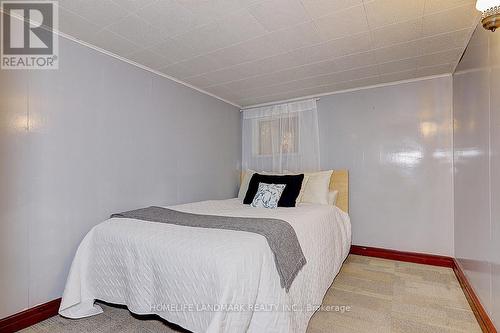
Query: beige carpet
[[383, 295]]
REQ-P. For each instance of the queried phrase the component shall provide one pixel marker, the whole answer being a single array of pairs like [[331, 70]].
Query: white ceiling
[[257, 51]]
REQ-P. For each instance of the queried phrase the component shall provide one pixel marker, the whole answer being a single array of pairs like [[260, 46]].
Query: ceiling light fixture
[[491, 13]]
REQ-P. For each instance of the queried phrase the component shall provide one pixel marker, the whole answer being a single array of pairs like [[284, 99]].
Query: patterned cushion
[[268, 195]]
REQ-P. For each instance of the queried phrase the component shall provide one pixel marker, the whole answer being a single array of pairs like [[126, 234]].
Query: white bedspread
[[208, 280]]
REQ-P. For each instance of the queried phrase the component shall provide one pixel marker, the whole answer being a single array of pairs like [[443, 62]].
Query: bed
[[211, 280]]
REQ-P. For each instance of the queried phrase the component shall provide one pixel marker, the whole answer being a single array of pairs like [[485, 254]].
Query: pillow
[[332, 197], [289, 195], [244, 184], [286, 172], [317, 187], [303, 188], [268, 195]]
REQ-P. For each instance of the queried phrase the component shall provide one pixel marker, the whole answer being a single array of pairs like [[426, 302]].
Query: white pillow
[[317, 187], [268, 195], [244, 184], [302, 188], [332, 197]]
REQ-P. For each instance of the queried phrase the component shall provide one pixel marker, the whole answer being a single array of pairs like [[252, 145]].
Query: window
[[281, 137], [278, 135]]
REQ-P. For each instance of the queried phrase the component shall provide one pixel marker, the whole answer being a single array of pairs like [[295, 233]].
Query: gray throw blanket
[[281, 237]]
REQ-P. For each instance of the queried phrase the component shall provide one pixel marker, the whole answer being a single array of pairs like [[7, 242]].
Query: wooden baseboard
[[29, 317], [429, 259], [418, 258], [481, 315]]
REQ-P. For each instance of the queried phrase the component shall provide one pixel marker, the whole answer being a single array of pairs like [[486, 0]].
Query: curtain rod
[[278, 102]]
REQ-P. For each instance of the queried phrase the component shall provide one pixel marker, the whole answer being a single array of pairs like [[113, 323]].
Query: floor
[[383, 296]]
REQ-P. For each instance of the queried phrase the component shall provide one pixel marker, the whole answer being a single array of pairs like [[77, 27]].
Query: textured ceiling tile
[[239, 72], [217, 77], [435, 70], [284, 87], [446, 41], [432, 6], [342, 23], [256, 50], [190, 68], [232, 56], [279, 87], [265, 65], [313, 53], [454, 19], [303, 91], [399, 51], [235, 28], [200, 81], [384, 12], [357, 73], [249, 69], [251, 50], [254, 101], [246, 84], [319, 89], [174, 51], [178, 70], [398, 66], [201, 40], [148, 58], [291, 74], [314, 69], [365, 82], [270, 64], [99, 12], [114, 43], [138, 31], [302, 35], [356, 60], [169, 17], [223, 92], [350, 45], [450, 56], [133, 5], [279, 14], [238, 27], [397, 33], [320, 80], [76, 26], [213, 9], [318, 8], [399, 76], [248, 3]]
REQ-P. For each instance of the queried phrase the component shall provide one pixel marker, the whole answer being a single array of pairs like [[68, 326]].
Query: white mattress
[[208, 280]]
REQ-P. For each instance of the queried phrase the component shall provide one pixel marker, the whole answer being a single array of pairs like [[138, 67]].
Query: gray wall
[[476, 90], [104, 136], [396, 142]]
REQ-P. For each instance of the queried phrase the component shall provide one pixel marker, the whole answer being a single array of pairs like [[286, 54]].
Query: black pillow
[[290, 193]]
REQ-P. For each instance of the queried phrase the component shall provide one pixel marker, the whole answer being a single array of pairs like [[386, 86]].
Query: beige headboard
[[338, 182]]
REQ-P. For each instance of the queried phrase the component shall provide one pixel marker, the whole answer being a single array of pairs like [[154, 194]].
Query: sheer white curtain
[[283, 137]]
